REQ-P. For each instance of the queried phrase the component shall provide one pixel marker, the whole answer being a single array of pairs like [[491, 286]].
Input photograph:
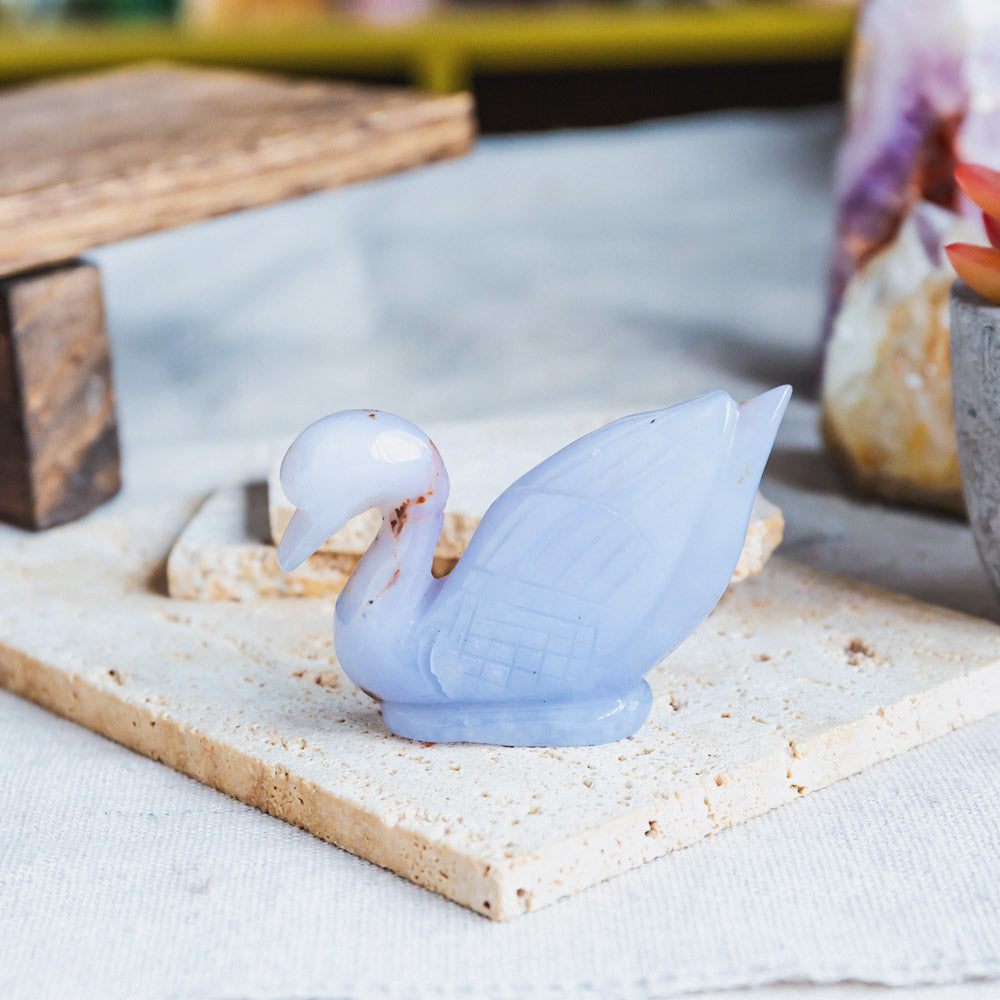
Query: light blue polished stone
[[581, 576]]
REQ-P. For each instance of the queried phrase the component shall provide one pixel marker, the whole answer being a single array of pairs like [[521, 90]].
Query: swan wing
[[586, 571]]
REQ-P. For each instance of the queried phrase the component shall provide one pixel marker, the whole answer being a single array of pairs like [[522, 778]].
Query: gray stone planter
[[975, 379]]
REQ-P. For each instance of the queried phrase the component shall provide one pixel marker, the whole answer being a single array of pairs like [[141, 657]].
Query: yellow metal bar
[[442, 71], [443, 50]]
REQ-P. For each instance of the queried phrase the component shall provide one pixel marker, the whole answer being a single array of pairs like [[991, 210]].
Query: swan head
[[343, 464]]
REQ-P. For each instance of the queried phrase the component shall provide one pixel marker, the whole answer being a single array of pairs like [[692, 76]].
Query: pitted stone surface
[[796, 680], [975, 365]]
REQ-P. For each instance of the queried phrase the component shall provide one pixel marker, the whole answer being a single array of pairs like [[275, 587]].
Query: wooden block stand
[[59, 453], [102, 158]]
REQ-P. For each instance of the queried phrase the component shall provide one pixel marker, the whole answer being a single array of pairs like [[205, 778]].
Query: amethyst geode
[[923, 94]]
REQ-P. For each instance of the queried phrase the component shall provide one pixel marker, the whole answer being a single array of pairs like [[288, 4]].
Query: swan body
[[581, 576]]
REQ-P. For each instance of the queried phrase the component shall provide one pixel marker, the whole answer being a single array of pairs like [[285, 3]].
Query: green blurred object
[[122, 10], [139, 10], [50, 11]]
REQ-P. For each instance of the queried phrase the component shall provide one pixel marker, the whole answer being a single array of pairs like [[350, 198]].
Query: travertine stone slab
[[225, 552], [483, 458], [796, 680]]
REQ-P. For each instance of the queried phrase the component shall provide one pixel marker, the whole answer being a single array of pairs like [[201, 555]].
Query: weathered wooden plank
[[89, 161], [59, 453]]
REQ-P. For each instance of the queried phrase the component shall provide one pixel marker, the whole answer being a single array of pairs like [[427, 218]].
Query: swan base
[[569, 723]]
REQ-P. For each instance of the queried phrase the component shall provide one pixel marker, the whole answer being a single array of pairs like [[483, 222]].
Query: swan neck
[[395, 572]]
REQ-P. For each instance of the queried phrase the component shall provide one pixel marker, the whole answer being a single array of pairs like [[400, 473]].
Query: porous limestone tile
[[225, 552], [796, 680]]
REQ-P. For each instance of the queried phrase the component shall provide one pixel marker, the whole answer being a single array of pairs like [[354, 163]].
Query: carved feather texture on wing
[[568, 584]]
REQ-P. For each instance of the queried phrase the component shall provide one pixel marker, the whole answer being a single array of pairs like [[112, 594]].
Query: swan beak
[[303, 536]]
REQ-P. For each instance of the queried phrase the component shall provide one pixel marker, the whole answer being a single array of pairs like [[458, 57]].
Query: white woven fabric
[[568, 272], [123, 879]]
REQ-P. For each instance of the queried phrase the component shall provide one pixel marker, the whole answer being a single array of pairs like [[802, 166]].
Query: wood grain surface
[[59, 455], [89, 161]]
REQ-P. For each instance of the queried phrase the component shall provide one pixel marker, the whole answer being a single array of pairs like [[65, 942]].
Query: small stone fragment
[[224, 553]]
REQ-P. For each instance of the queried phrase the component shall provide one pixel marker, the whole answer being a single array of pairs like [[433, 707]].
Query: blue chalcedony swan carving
[[580, 577]]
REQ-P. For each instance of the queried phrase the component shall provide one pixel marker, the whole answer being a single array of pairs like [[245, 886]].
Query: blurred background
[[537, 64]]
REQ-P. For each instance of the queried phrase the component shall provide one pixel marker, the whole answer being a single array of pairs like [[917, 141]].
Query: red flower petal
[[981, 184], [992, 225], [978, 267]]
